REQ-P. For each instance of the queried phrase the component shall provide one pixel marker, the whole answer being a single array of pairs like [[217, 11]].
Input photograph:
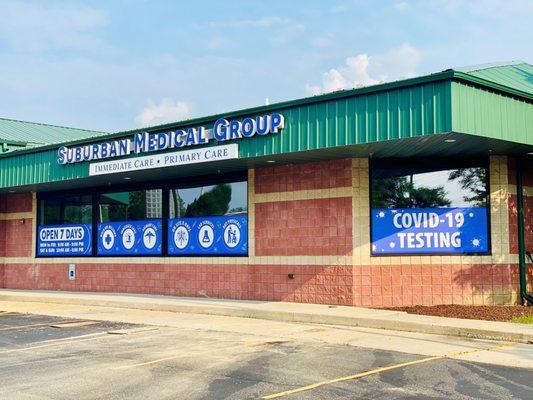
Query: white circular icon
[[181, 237], [232, 235], [128, 238], [108, 238], [206, 236], [149, 238]]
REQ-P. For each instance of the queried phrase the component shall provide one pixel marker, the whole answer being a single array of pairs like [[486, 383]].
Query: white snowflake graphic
[[381, 214], [476, 242], [374, 247], [471, 215], [392, 245]]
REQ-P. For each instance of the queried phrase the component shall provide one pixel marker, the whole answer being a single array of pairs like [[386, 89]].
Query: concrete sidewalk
[[288, 312]]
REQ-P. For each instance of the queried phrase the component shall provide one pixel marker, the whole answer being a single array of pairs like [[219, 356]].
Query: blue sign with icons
[[429, 230], [64, 240], [130, 238], [223, 235]]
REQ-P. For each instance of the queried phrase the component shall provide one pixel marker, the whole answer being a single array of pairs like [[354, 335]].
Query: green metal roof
[[15, 134], [407, 118], [517, 75]]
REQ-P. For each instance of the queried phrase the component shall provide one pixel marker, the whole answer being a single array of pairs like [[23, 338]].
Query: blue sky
[[115, 65]]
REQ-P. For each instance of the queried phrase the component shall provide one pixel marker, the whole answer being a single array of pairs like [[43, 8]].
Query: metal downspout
[[521, 241]]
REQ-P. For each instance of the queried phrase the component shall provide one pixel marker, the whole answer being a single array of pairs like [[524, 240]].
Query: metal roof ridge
[[51, 125], [491, 84], [481, 67]]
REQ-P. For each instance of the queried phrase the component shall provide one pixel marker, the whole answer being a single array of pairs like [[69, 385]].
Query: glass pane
[[130, 206], [50, 212], [222, 199], [413, 188], [69, 209], [77, 209]]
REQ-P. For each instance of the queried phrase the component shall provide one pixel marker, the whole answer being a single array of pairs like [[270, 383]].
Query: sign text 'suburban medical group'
[[223, 130]]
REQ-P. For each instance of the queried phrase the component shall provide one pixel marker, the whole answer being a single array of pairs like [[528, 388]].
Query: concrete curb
[[287, 312]]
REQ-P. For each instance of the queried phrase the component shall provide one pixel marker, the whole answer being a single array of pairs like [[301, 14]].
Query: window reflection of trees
[[213, 202], [402, 192], [474, 182], [206, 201]]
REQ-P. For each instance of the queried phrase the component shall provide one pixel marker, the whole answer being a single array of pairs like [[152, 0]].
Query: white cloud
[[401, 6], [31, 27], [167, 110], [365, 70]]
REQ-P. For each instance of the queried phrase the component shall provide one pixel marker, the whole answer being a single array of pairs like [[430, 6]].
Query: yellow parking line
[[56, 343], [379, 370], [210, 351], [196, 353], [6, 313], [149, 362], [12, 327]]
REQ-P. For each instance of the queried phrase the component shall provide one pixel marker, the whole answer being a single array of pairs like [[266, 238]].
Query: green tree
[[424, 197], [473, 181], [137, 205], [391, 193], [214, 202], [177, 205], [400, 192]]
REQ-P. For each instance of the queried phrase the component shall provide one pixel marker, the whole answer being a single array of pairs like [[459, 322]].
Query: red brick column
[[303, 213], [15, 229]]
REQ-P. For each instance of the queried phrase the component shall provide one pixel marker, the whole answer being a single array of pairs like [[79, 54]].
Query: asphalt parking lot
[[44, 357]]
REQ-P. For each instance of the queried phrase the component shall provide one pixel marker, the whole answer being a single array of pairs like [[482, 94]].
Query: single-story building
[[413, 192]]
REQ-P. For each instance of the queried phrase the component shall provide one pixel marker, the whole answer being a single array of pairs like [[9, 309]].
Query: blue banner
[[429, 230], [64, 240], [224, 235], [130, 238]]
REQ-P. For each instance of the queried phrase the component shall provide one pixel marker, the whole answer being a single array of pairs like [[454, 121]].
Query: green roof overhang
[[409, 118]]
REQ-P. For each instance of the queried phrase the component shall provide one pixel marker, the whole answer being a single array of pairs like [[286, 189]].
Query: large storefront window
[[130, 223], [423, 208], [208, 220], [65, 226], [170, 220]]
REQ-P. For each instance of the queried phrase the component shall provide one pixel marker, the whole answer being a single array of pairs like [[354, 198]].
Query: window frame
[[444, 163], [182, 183]]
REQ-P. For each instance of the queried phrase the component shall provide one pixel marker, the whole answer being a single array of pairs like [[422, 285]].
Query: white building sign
[[174, 159]]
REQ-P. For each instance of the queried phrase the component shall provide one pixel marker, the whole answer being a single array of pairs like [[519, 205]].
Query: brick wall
[[248, 282], [16, 238], [310, 221], [316, 227], [318, 175]]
